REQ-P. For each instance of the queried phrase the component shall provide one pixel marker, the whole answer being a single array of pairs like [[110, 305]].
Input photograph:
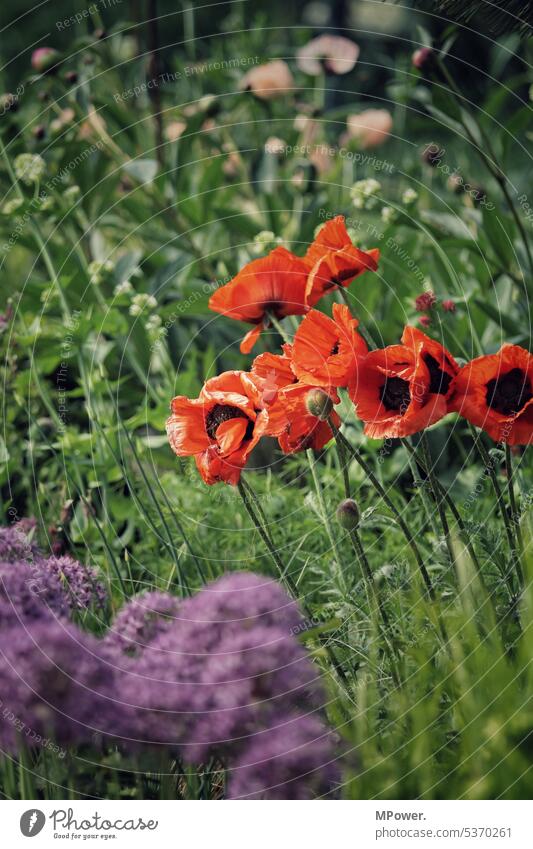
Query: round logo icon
[[32, 822]]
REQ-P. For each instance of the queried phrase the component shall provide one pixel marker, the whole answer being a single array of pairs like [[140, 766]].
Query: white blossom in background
[[364, 193], [141, 302], [29, 168]]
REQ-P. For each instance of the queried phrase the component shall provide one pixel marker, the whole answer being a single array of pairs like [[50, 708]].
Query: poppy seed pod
[[319, 404], [348, 514]]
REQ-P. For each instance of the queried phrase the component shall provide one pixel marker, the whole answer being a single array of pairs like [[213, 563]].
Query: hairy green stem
[[489, 467], [437, 498], [392, 507]]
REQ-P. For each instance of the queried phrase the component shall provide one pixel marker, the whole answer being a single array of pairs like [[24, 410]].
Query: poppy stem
[[428, 463], [246, 489], [456, 515], [279, 327], [420, 488], [392, 507], [365, 567], [515, 517], [322, 507], [244, 493], [489, 467], [375, 603], [367, 336]]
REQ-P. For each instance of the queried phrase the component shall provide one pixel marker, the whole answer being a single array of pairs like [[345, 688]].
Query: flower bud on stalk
[[422, 58], [44, 59], [319, 404], [348, 514]]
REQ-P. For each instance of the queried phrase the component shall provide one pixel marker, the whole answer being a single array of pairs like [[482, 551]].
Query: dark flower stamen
[[223, 413], [439, 379], [509, 393], [335, 349], [395, 394]]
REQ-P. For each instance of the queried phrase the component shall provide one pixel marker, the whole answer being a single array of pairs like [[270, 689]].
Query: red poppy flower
[[290, 421], [333, 260], [220, 428], [273, 372], [496, 393], [273, 284], [326, 350], [440, 364], [402, 389]]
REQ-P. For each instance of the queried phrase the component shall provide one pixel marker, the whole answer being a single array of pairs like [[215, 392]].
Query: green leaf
[[143, 170], [499, 318]]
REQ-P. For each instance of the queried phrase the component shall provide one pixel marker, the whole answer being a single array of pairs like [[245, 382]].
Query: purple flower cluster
[[77, 584], [28, 594], [219, 674], [81, 585], [55, 685], [140, 621], [293, 759], [228, 673]]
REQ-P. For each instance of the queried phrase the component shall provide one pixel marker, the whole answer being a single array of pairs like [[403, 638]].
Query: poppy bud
[[319, 404], [348, 514], [422, 58], [43, 59]]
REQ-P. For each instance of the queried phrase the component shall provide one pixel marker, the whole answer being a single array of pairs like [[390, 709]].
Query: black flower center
[[223, 413], [335, 349], [510, 392], [395, 394], [439, 379]]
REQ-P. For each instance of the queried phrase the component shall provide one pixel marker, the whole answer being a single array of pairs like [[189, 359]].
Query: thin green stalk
[[367, 336], [512, 501], [311, 462], [244, 490], [437, 497], [322, 507], [364, 564], [489, 466], [265, 537], [420, 488], [457, 516], [392, 507], [375, 603]]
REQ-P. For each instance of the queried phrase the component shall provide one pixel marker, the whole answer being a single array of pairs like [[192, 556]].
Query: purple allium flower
[[16, 542], [204, 697], [27, 594], [141, 620], [294, 759], [241, 600], [54, 684], [80, 583], [217, 674]]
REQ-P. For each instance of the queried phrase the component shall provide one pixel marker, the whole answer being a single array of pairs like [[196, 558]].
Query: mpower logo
[[32, 822]]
